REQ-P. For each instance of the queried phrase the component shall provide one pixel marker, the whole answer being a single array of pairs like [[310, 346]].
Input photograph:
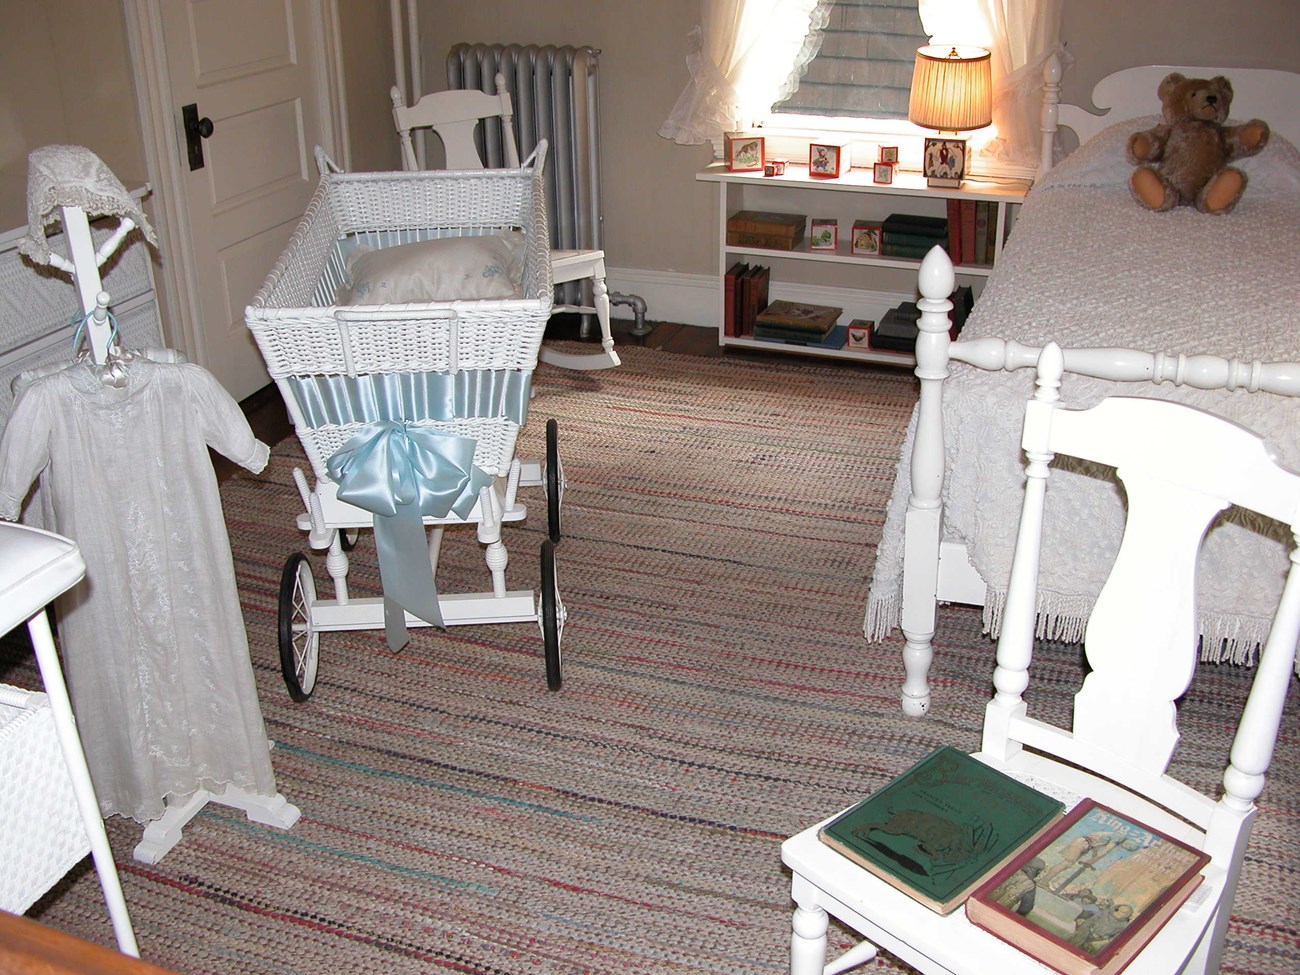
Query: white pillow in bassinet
[[444, 269]]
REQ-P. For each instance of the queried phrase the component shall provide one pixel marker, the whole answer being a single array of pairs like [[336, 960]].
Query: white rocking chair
[[454, 116], [1179, 467]]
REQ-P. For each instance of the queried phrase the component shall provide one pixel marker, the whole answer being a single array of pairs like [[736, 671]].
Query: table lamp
[[952, 91]]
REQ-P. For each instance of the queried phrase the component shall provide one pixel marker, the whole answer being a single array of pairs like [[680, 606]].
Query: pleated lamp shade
[[952, 88]]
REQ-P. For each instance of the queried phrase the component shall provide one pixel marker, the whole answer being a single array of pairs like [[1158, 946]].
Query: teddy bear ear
[[1172, 80], [1219, 81]]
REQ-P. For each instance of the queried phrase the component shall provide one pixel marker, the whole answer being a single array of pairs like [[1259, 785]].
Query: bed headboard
[[1265, 93]]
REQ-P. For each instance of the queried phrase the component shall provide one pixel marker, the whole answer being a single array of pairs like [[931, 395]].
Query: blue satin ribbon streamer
[[401, 473]]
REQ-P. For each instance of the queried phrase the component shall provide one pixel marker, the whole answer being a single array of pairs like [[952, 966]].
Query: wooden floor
[[270, 423]]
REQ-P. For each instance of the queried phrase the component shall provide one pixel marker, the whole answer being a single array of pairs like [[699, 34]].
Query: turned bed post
[[924, 522]]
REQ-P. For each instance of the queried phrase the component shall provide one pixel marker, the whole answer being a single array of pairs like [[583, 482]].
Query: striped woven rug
[[721, 520]]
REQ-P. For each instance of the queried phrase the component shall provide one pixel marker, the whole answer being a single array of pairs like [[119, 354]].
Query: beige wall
[[657, 216], [65, 77], [367, 41]]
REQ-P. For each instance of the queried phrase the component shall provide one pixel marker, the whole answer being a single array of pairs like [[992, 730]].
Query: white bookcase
[[853, 196]]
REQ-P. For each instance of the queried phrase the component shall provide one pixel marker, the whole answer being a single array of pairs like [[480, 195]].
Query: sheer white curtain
[[744, 56], [1021, 34]]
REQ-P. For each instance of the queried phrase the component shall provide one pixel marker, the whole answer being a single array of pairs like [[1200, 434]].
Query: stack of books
[[909, 235], [898, 328], [1081, 891], [745, 290], [801, 324], [972, 231]]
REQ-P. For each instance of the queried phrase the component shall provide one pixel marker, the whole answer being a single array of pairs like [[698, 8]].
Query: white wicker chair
[[50, 820], [454, 116]]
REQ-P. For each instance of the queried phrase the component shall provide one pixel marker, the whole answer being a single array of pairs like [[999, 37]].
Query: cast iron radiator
[[554, 94]]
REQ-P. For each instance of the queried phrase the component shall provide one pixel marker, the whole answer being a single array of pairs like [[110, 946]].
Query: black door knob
[[196, 130]]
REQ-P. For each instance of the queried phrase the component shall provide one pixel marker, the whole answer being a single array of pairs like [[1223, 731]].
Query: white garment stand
[[165, 832]]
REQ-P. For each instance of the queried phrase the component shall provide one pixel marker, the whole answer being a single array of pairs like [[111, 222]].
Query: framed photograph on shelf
[[883, 173], [889, 154], [744, 152], [944, 162]]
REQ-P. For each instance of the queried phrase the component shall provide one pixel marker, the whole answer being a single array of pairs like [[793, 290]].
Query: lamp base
[[944, 162]]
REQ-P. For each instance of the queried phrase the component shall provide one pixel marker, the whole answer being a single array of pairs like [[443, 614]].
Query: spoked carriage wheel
[[299, 641], [554, 481], [348, 538], [551, 616]]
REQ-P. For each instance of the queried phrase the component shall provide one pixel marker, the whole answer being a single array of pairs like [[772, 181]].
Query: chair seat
[[924, 939], [576, 265], [37, 566]]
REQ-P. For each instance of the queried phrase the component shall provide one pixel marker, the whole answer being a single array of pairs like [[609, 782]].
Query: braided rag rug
[[722, 516]]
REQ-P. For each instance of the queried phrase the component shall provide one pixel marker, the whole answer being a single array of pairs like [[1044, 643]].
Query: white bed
[[1087, 267]]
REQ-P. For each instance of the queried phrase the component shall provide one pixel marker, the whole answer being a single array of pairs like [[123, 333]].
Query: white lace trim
[[59, 176]]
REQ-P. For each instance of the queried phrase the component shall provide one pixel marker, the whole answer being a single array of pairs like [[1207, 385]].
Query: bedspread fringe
[[1063, 618]]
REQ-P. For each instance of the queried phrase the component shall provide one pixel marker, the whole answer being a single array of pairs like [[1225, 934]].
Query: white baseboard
[[692, 299]]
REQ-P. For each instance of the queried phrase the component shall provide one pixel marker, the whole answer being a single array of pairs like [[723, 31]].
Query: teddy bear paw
[[1222, 192], [1150, 190]]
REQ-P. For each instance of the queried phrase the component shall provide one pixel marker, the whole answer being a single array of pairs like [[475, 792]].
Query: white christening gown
[[153, 642]]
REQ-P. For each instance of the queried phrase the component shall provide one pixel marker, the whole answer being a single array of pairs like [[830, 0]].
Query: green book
[[941, 827]]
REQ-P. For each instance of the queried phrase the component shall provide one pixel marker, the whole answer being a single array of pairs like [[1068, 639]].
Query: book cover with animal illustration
[[1088, 893], [939, 829]]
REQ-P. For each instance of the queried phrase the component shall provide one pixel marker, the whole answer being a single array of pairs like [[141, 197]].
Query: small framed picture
[[944, 162], [744, 152], [889, 154], [883, 173]]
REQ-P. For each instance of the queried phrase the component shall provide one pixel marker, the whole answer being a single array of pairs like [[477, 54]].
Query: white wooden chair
[[49, 816], [1180, 467], [455, 115]]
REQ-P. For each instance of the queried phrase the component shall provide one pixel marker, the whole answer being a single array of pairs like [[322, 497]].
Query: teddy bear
[[1185, 160]]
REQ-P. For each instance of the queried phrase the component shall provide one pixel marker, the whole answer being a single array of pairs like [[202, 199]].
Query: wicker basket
[[302, 333], [44, 833]]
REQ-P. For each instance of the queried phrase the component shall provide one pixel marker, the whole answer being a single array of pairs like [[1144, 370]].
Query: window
[[864, 66]]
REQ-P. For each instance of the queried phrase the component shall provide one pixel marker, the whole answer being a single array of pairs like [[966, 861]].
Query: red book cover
[[981, 233], [954, 231], [967, 231], [730, 285], [744, 322]]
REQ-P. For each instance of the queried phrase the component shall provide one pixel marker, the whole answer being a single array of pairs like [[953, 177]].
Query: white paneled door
[[242, 86]]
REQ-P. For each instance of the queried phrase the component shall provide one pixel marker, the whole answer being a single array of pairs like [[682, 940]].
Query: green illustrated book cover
[[941, 827]]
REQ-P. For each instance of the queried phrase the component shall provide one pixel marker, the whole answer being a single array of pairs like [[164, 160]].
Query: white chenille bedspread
[[1086, 267]]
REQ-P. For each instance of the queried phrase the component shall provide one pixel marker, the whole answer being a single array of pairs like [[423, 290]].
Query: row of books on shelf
[[972, 231], [1081, 890]]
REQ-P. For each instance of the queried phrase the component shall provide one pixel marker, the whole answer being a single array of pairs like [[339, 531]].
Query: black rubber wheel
[[554, 481], [348, 538], [299, 641], [550, 614]]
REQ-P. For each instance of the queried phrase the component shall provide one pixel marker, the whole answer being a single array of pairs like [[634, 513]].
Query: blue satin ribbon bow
[[402, 473]]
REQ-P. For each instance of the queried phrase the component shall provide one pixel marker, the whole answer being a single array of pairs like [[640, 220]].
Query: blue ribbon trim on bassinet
[[402, 473], [412, 396]]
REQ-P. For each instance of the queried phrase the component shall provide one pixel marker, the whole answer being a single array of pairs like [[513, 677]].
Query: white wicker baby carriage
[[360, 381]]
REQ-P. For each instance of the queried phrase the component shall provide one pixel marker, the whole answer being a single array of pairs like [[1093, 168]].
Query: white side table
[[35, 567]]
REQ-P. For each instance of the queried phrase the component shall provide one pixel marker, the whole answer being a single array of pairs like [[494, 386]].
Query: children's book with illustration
[[1088, 894], [940, 828]]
